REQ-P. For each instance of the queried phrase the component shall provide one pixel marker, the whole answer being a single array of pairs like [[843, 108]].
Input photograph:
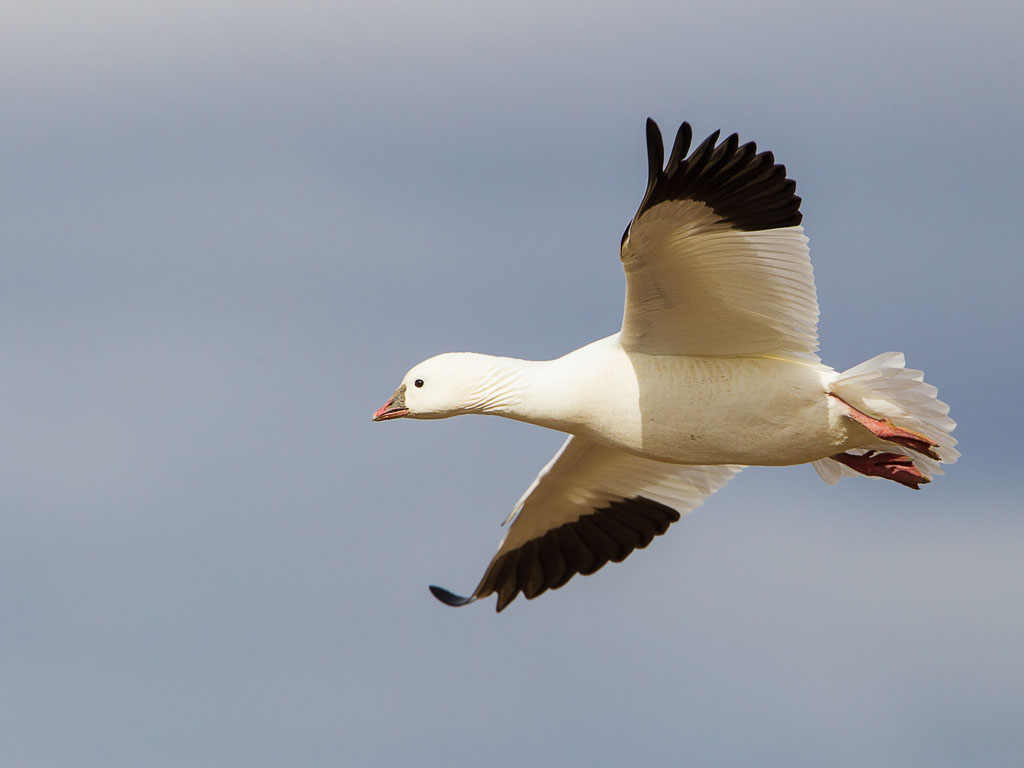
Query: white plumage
[[715, 368]]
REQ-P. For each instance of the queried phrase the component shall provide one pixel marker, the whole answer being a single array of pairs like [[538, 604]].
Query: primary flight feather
[[715, 368]]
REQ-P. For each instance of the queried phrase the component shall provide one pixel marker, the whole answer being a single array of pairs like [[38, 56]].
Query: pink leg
[[891, 466], [886, 430]]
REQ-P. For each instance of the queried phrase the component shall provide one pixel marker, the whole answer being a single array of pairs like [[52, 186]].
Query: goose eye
[[418, 382]]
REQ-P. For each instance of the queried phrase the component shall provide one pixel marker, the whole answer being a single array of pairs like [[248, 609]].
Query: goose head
[[443, 386]]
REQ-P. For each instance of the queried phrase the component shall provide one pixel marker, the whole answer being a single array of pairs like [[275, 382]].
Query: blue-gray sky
[[228, 230]]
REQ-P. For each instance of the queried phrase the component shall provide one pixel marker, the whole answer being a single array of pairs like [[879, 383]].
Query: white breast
[[695, 410]]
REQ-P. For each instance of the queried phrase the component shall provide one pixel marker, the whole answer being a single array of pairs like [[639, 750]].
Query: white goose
[[715, 367]]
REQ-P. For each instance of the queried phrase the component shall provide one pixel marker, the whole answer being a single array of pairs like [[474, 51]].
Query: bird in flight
[[715, 368]]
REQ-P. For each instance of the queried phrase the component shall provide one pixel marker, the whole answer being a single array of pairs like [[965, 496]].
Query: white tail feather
[[883, 388], [831, 471]]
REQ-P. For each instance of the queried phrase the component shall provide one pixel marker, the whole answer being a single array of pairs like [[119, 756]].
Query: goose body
[[684, 410], [715, 368]]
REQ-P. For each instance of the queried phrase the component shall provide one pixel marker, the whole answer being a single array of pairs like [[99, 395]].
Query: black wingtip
[[746, 189], [655, 161], [450, 598], [680, 147], [655, 152]]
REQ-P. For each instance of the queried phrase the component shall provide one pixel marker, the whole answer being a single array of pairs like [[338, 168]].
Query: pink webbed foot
[[891, 466], [886, 430]]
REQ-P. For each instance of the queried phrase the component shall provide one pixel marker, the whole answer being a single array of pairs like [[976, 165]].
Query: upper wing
[[589, 505], [716, 261]]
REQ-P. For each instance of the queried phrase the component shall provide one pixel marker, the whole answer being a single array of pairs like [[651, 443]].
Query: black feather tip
[[450, 598]]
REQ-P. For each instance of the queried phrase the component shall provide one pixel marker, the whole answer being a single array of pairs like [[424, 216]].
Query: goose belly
[[726, 411]]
